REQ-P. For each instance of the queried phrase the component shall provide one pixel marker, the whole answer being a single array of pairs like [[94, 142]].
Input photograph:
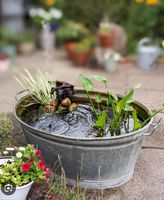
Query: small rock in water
[[66, 102], [73, 106]]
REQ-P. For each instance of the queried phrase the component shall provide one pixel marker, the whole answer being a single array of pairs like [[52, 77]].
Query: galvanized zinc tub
[[97, 163]]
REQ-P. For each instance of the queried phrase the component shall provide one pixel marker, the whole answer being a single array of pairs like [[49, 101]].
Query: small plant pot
[[69, 49], [26, 47], [111, 66], [81, 58], [4, 65], [107, 41], [20, 193]]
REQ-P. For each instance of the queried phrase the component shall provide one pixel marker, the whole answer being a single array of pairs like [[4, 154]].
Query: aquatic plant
[[121, 109]]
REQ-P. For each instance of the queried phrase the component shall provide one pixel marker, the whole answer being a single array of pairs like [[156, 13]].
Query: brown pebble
[[73, 106], [49, 109], [54, 103], [66, 102]]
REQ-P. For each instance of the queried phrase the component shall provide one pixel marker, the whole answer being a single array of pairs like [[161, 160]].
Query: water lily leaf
[[86, 82], [137, 123], [99, 78], [98, 98], [101, 122]]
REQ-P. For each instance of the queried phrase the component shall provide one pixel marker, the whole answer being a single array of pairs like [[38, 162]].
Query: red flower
[[41, 165], [25, 167], [31, 160], [38, 153]]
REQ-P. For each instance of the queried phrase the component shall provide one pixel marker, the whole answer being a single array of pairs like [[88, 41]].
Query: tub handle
[[153, 127], [19, 93]]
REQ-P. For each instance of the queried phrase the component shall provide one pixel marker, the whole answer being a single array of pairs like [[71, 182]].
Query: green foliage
[[72, 31], [121, 110], [140, 20], [39, 89], [26, 36], [6, 127], [6, 36], [15, 170]]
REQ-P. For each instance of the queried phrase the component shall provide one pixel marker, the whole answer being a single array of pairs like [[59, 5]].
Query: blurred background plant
[[6, 127]]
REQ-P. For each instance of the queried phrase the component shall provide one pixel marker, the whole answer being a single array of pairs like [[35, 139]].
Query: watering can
[[147, 55]]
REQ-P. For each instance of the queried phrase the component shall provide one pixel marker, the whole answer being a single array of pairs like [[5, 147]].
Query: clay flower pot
[[26, 47], [69, 49], [81, 58], [106, 40]]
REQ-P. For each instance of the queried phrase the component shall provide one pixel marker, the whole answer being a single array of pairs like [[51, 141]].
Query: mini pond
[[77, 123]]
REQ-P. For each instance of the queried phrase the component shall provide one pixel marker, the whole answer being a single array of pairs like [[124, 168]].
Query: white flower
[[56, 13], [5, 152], [41, 12], [19, 155], [21, 148], [33, 12], [1, 172], [47, 16], [10, 149]]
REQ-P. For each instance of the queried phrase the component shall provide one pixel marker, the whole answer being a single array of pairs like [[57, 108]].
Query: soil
[[41, 192]]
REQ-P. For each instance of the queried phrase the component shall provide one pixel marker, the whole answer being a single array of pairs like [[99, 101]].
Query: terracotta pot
[[81, 58], [26, 47], [69, 49], [107, 40]]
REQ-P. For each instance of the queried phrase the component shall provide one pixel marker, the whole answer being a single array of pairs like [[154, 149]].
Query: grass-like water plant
[[121, 109], [39, 88]]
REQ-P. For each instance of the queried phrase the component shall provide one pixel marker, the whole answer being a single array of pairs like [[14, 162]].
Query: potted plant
[[106, 35], [111, 60], [70, 34], [26, 42], [18, 173], [7, 42], [98, 142], [81, 52], [48, 18], [6, 127], [4, 61]]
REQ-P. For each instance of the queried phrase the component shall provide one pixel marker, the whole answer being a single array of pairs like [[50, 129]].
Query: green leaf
[[101, 122], [137, 124], [86, 82], [122, 103], [112, 94], [128, 108], [137, 86], [99, 78], [98, 98]]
